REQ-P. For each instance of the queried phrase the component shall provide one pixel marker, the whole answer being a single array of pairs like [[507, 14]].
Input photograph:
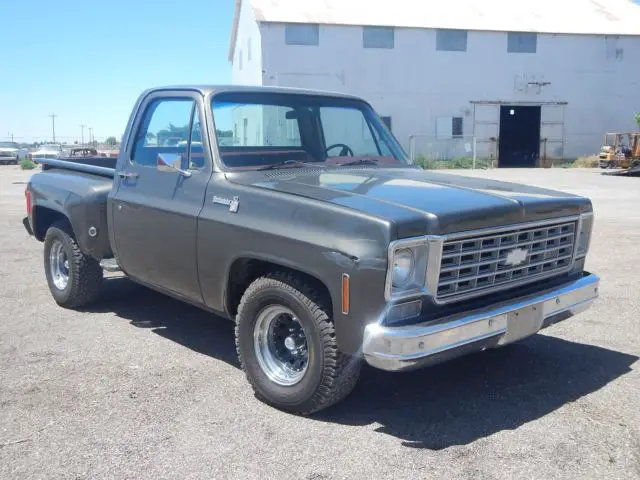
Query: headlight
[[583, 239], [403, 265], [407, 268]]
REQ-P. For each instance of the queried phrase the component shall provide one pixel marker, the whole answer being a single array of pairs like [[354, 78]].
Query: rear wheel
[[74, 278], [287, 346]]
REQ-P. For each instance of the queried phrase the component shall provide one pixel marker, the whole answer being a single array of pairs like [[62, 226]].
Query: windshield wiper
[[360, 161], [297, 163]]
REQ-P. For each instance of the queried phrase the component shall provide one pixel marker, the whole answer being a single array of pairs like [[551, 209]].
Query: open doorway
[[519, 144]]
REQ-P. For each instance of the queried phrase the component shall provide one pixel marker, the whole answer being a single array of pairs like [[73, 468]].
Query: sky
[[87, 61]]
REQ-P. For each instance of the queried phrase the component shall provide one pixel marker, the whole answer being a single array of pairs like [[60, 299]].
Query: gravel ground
[[141, 386]]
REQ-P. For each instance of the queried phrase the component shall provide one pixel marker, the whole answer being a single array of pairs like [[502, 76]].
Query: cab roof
[[215, 89]]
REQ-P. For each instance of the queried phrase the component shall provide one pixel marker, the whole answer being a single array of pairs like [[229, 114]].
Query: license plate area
[[523, 323]]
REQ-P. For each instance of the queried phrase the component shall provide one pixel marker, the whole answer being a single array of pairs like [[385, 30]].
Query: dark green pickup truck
[[297, 215]]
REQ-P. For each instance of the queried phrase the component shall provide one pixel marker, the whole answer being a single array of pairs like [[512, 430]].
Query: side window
[[164, 129]]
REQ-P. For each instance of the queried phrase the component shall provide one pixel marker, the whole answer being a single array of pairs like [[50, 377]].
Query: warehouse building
[[519, 82]]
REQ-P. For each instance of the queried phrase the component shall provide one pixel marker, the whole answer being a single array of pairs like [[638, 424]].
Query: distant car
[[82, 152], [11, 153], [111, 153], [46, 151]]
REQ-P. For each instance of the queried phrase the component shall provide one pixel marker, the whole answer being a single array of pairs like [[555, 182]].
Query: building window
[[301, 34], [456, 126], [377, 37], [239, 59], [612, 51], [519, 42], [449, 127], [386, 121], [451, 40], [248, 50]]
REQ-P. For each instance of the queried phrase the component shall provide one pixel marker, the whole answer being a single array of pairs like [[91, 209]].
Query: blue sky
[[87, 61]]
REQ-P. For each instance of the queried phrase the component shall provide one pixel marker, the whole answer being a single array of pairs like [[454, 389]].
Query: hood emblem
[[233, 203], [516, 257]]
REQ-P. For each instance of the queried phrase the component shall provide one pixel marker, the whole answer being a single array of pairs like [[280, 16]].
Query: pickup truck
[[297, 215]]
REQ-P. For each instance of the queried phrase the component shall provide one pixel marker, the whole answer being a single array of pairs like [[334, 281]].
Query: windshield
[[50, 147], [8, 145], [257, 130]]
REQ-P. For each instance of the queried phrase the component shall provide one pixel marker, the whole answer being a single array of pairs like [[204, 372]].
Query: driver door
[[155, 208]]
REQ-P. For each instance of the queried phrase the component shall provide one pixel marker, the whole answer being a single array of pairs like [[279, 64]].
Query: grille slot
[[504, 259]]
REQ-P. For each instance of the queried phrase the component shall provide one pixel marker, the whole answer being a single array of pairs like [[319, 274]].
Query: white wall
[[415, 84], [248, 38]]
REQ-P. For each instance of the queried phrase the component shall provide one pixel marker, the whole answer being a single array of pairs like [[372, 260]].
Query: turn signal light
[[27, 197], [345, 293]]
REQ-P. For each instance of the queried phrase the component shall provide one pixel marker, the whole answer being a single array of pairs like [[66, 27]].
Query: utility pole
[[53, 125], [90, 135], [82, 130]]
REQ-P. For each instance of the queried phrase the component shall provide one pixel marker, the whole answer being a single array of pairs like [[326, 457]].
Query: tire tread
[[340, 371], [85, 277]]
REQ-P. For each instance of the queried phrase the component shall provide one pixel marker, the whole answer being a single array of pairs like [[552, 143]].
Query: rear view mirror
[[171, 162], [291, 115]]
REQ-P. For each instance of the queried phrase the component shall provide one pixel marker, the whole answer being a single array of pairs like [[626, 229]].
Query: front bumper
[[416, 346]]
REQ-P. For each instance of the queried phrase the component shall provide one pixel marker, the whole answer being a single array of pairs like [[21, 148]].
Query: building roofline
[[564, 17]]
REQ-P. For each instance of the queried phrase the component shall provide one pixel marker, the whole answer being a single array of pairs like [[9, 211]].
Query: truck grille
[[503, 259]]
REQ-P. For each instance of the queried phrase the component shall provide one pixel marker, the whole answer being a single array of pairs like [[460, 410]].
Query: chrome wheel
[[280, 345], [59, 265]]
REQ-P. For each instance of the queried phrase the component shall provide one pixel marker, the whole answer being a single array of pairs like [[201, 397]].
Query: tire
[[329, 376], [83, 273]]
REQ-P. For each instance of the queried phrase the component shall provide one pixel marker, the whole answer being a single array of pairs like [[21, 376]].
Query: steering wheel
[[346, 149]]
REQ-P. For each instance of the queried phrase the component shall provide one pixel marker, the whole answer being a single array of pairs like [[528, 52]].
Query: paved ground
[[143, 387]]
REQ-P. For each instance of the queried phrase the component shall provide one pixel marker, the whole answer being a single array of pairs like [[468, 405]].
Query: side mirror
[[171, 162]]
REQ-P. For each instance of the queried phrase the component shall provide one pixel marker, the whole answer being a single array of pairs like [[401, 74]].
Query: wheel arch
[[244, 270], [44, 217]]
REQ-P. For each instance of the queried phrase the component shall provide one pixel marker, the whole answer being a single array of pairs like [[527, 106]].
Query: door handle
[[131, 175]]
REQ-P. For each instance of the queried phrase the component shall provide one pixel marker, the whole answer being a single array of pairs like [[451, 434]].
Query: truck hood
[[8, 150], [422, 202]]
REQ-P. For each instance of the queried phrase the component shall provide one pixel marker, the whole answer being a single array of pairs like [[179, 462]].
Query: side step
[[110, 265]]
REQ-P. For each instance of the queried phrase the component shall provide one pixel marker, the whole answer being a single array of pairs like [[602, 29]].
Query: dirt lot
[[143, 387]]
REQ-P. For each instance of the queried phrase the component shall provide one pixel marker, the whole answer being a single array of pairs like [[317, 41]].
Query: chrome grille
[[503, 259]]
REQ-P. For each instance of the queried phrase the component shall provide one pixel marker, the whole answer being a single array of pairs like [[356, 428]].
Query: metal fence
[[431, 151]]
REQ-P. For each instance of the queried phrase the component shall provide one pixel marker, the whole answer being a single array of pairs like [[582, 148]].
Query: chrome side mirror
[[171, 162]]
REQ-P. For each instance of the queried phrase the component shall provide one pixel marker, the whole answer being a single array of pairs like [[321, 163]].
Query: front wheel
[[74, 278], [287, 346]]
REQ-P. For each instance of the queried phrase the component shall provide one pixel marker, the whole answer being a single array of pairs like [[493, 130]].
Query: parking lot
[[141, 386]]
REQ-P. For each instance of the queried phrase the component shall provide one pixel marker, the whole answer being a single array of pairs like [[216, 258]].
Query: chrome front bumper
[[416, 346]]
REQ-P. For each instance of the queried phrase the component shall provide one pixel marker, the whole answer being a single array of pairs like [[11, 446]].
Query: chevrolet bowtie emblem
[[516, 257]]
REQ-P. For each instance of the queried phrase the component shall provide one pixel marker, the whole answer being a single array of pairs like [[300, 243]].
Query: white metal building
[[527, 79]]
